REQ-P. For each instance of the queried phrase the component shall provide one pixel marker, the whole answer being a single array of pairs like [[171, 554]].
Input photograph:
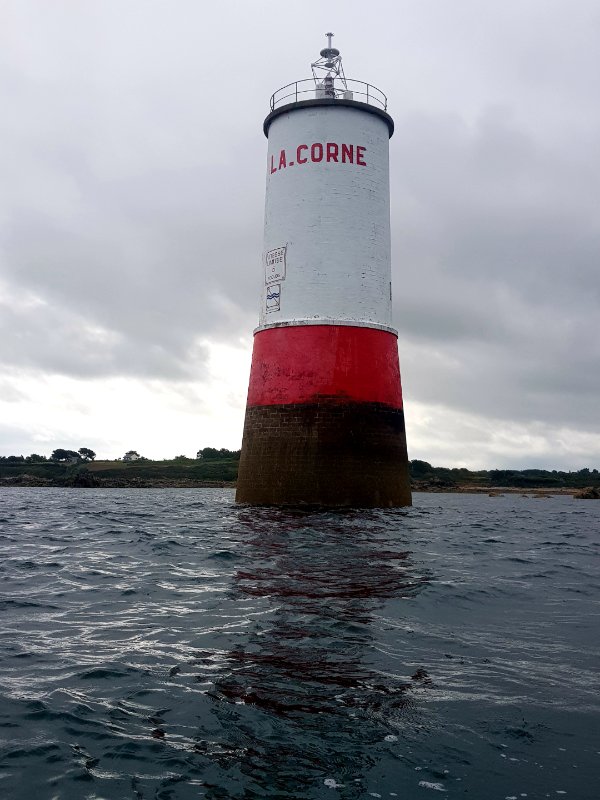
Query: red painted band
[[303, 363]]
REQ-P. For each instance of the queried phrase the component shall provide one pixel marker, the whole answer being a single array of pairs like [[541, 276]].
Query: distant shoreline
[[81, 482], [86, 481], [219, 469]]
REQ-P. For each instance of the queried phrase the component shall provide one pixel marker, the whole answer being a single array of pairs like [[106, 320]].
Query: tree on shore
[[86, 453], [60, 454], [213, 453]]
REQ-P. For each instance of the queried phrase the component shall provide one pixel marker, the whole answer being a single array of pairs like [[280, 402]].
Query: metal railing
[[336, 89]]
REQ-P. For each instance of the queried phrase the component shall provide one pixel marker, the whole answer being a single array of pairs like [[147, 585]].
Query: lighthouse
[[324, 421]]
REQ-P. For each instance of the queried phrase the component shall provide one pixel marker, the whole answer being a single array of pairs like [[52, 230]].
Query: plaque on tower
[[275, 265], [273, 299]]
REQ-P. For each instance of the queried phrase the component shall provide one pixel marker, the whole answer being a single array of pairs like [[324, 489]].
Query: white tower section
[[326, 256], [327, 218]]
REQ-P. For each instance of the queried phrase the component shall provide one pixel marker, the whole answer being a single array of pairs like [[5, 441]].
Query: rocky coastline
[[85, 479]]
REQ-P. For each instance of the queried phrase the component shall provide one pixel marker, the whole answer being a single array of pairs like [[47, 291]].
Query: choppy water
[[167, 644]]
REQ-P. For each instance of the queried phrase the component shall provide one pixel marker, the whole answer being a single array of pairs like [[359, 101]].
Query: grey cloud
[[496, 270], [128, 211], [147, 260], [58, 340]]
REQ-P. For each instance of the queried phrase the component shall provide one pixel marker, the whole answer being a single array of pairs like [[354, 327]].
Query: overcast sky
[[132, 175]]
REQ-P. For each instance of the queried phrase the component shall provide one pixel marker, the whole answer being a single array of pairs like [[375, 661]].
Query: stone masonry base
[[327, 453]]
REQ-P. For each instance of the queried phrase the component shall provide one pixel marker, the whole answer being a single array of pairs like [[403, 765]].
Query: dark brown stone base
[[324, 454]]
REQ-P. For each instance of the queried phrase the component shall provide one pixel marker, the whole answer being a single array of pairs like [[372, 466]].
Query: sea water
[[165, 643]]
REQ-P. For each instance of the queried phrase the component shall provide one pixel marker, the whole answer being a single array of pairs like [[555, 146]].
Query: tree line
[[84, 454], [423, 471], [60, 454]]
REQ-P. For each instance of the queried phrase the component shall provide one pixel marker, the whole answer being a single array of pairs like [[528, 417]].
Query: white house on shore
[[131, 455]]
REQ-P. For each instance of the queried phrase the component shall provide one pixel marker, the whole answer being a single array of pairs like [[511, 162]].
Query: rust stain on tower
[[324, 419]]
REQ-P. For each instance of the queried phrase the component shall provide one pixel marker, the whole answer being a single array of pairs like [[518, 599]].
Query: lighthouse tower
[[324, 419]]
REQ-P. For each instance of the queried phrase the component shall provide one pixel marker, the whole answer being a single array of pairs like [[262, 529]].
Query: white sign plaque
[[275, 265], [273, 301]]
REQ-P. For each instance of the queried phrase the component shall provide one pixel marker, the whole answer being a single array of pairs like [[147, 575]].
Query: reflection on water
[[298, 698]]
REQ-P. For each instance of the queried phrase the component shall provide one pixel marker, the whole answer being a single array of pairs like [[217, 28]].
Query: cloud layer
[[131, 218]]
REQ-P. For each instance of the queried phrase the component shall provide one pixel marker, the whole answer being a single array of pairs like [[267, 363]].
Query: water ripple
[[168, 644]]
